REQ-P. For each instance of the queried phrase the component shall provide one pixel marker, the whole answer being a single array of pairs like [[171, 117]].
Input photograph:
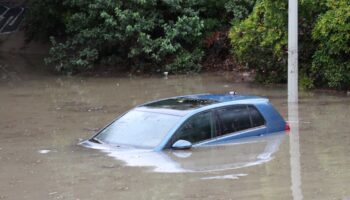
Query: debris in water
[[44, 151], [229, 176], [123, 188], [166, 75]]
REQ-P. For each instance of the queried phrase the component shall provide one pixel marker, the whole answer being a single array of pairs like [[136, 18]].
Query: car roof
[[182, 105]]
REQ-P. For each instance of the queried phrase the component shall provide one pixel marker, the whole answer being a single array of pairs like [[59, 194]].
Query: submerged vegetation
[[176, 36]]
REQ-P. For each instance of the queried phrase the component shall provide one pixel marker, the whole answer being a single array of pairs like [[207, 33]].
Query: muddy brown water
[[43, 117]]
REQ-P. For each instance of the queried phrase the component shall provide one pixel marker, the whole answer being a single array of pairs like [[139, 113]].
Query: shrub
[[239, 9], [186, 62], [260, 40], [331, 62], [143, 34]]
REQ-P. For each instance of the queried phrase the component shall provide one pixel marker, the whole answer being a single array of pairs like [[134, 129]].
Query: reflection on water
[[294, 144], [43, 117], [229, 176], [235, 155]]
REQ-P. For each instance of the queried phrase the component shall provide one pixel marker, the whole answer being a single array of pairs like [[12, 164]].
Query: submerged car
[[194, 120], [236, 154]]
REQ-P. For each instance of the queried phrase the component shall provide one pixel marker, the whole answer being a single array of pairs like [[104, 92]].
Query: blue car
[[189, 121]]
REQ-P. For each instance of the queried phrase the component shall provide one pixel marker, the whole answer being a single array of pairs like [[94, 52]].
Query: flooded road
[[43, 118]]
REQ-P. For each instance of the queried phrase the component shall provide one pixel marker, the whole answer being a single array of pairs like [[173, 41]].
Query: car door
[[198, 128]]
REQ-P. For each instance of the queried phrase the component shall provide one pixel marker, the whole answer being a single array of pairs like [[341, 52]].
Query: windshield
[[138, 128]]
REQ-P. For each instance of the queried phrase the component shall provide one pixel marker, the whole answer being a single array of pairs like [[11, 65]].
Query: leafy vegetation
[[331, 61], [153, 35], [260, 42], [140, 34], [174, 36]]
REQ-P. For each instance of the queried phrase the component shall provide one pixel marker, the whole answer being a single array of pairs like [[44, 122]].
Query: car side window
[[234, 118], [198, 128], [256, 117]]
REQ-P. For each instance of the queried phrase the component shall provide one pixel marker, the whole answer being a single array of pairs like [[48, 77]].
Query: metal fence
[[10, 16]]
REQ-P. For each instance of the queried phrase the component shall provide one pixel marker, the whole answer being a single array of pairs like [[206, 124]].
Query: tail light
[[287, 128]]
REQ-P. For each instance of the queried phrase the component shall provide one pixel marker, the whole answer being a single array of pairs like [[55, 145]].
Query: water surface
[[43, 117]]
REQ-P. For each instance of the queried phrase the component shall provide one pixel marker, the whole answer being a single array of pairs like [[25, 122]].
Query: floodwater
[[43, 117]]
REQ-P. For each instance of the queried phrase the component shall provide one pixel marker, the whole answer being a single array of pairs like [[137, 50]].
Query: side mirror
[[181, 145]]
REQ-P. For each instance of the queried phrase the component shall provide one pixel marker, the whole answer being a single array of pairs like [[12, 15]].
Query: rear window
[[238, 118], [256, 117], [235, 118]]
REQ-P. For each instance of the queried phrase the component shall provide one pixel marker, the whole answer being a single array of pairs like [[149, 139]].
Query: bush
[[142, 34], [186, 62], [239, 9], [147, 35], [260, 41], [331, 62]]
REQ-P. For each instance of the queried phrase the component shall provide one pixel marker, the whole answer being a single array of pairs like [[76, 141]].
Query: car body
[[193, 120]]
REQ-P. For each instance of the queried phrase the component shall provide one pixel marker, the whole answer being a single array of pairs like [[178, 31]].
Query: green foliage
[[158, 35], [151, 35], [142, 34], [217, 14], [61, 55], [331, 61], [260, 41], [305, 82], [186, 62], [239, 9]]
